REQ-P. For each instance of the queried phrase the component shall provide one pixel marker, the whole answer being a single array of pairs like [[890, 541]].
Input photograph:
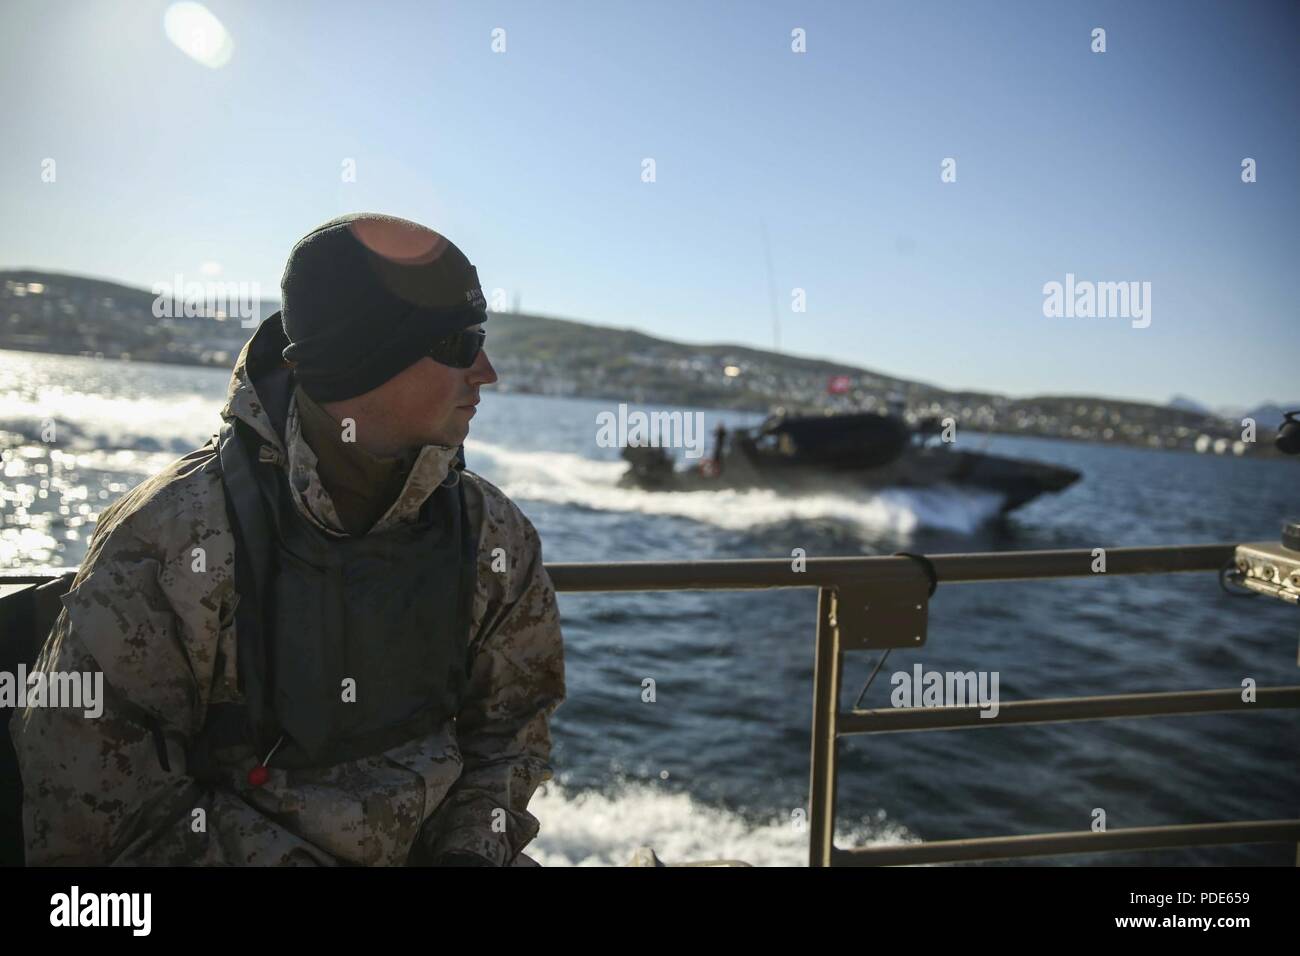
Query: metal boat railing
[[876, 603], [872, 604]]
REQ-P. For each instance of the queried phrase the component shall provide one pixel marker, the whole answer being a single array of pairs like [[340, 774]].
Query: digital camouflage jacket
[[152, 607]]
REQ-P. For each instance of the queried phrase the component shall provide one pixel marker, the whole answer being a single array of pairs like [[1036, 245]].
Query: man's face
[[427, 403], [435, 401]]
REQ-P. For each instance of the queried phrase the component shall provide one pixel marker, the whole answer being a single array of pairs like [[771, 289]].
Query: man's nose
[[482, 372]]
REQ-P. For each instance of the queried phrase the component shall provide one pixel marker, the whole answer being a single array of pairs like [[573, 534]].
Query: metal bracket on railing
[[883, 614]]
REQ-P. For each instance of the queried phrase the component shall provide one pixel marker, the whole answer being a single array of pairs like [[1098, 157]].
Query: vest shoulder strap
[[251, 527]]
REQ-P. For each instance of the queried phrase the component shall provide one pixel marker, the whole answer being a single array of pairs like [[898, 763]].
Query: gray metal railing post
[[825, 739]]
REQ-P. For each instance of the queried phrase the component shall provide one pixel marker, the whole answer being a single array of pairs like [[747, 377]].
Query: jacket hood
[[262, 353], [279, 428]]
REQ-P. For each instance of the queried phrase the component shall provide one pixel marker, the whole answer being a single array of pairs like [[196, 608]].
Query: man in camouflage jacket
[[115, 789]]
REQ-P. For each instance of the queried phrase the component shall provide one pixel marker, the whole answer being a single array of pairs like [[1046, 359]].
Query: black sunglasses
[[460, 349]]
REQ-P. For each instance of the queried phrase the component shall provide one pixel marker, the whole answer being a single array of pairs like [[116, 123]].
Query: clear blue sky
[[1117, 166]]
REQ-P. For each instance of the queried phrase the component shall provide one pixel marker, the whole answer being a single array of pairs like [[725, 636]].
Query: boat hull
[[1017, 481]]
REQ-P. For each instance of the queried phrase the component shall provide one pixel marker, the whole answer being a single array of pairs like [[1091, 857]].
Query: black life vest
[[346, 646]]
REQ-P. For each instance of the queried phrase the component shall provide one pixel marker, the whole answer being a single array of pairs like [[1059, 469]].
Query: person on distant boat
[[325, 641], [719, 442]]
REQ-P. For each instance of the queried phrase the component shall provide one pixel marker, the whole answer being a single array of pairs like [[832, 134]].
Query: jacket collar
[[434, 465]]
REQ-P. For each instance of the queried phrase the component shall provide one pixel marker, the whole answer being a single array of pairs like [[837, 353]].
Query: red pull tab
[[261, 773]]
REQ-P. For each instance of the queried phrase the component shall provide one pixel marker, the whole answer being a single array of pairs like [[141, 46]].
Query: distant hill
[[1267, 414], [1185, 404], [71, 314], [1270, 413]]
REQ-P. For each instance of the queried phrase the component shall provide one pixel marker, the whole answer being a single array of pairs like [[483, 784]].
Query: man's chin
[[448, 438]]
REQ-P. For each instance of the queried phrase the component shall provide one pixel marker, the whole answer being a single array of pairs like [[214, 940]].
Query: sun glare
[[198, 34]]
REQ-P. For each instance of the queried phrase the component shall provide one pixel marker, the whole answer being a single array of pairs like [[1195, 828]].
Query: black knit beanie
[[364, 296]]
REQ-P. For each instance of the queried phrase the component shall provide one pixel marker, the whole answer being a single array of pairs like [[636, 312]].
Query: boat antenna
[[771, 287]]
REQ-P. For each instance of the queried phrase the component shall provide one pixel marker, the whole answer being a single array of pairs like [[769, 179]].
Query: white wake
[[598, 829], [569, 479]]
